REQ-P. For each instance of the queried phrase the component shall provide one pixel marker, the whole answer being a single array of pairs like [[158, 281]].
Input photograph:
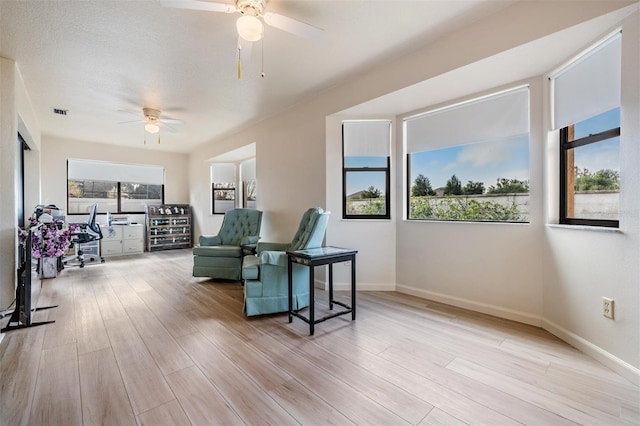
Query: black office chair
[[88, 231]]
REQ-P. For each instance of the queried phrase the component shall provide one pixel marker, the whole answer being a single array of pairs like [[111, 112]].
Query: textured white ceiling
[[98, 57]]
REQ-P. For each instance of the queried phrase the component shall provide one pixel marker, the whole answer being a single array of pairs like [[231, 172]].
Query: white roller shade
[[366, 138], [115, 172], [588, 86], [223, 173], [248, 168], [493, 117]]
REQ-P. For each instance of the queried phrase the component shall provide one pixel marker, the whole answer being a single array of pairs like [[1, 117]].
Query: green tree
[[473, 188], [602, 180], [371, 192], [453, 187], [509, 186], [422, 187]]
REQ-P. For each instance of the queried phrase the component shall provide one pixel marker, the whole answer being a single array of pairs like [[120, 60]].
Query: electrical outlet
[[607, 307]]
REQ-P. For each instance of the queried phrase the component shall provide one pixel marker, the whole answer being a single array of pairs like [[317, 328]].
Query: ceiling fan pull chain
[[239, 61], [262, 57]]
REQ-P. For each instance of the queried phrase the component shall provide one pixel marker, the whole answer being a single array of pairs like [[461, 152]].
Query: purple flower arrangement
[[49, 239]]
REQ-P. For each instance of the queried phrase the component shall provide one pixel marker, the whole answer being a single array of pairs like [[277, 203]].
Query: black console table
[[316, 257]]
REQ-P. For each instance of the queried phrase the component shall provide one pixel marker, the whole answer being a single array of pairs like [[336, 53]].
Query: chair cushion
[[250, 267], [218, 251], [238, 224]]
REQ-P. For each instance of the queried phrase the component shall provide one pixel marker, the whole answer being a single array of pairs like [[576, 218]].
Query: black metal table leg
[[331, 286], [311, 300], [353, 287], [289, 267]]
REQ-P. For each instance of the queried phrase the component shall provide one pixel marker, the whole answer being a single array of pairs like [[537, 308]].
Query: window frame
[[387, 194], [213, 196], [564, 146], [118, 197]]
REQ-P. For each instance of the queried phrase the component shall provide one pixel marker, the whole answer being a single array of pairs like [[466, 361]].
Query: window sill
[[586, 228], [365, 220]]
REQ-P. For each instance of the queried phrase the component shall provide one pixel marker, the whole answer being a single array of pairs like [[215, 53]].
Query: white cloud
[[486, 153]]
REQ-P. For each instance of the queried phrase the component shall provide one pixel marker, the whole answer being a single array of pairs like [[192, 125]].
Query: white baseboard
[[621, 367], [496, 311]]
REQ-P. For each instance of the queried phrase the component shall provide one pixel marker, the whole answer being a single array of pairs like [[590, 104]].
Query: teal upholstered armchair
[[220, 256], [265, 275]]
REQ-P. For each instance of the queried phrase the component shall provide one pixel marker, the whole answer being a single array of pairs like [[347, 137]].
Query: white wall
[[375, 240], [494, 268], [290, 171], [582, 266], [55, 153], [16, 113], [8, 181]]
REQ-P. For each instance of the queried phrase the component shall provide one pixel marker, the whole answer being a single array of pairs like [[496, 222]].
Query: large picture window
[[586, 101], [366, 169], [470, 161], [115, 187]]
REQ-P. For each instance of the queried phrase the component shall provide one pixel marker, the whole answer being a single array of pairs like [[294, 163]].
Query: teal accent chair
[[220, 256], [266, 285]]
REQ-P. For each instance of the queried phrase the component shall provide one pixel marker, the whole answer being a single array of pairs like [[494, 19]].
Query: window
[[115, 187], [586, 101], [470, 161], [223, 187], [366, 169]]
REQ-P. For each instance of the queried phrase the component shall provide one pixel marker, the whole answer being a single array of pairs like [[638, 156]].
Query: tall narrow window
[[470, 161], [586, 101], [223, 187], [366, 169]]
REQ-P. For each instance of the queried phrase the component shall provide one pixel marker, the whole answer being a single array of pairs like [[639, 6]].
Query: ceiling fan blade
[[167, 127], [199, 5], [293, 26], [170, 121], [130, 111], [134, 121]]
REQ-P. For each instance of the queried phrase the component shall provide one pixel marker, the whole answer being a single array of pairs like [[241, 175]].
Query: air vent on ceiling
[[60, 111]]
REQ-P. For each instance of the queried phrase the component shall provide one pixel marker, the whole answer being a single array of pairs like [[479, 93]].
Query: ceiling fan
[[249, 25], [153, 122]]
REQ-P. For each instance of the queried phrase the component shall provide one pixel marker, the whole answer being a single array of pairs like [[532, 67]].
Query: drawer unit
[[122, 239]]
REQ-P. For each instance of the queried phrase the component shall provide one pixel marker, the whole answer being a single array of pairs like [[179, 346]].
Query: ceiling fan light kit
[[151, 128], [249, 28]]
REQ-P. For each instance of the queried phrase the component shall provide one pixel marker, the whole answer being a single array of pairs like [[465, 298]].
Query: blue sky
[[487, 161], [480, 162]]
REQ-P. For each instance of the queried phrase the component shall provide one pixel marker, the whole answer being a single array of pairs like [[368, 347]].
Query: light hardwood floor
[[138, 340]]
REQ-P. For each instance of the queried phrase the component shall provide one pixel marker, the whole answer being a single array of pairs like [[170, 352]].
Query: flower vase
[[49, 267]]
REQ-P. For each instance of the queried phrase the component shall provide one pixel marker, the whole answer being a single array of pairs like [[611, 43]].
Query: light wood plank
[[57, 394], [163, 348], [143, 380], [251, 404], [20, 353], [565, 407], [167, 414], [437, 417], [201, 401], [104, 398]]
